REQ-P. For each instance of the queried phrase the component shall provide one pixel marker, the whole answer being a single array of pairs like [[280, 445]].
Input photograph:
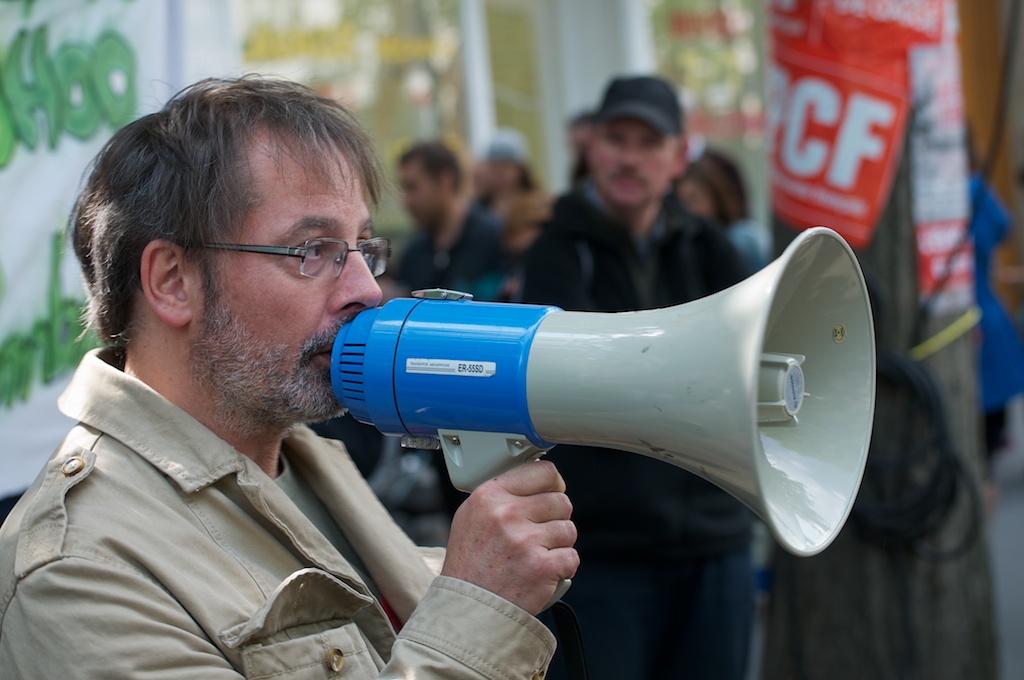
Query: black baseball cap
[[645, 98]]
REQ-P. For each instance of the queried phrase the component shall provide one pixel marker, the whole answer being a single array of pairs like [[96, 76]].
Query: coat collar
[[103, 396]]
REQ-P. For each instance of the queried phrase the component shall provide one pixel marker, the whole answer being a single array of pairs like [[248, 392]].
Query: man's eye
[[315, 250]]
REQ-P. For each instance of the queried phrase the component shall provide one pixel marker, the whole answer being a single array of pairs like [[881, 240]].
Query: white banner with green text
[[70, 74]]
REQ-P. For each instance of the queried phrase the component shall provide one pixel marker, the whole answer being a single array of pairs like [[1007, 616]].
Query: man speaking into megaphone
[[191, 525]]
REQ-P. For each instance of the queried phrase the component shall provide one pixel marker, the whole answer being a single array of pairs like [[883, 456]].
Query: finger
[[558, 534], [526, 480], [547, 507], [548, 566], [564, 562]]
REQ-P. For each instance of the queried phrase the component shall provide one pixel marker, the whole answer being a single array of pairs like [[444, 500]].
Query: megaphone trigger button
[[441, 294]]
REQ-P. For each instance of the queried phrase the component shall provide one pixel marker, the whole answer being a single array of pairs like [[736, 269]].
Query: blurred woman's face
[[506, 176], [696, 199]]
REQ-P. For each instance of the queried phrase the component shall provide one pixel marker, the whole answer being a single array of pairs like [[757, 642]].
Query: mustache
[[322, 341], [628, 174]]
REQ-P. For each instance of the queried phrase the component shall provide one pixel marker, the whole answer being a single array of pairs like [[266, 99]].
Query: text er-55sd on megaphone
[[766, 389]]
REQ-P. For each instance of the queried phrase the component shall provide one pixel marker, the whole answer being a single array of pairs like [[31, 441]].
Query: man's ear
[[172, 287]]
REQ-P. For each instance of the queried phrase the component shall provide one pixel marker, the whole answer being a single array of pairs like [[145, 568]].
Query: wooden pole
[[874, 605]]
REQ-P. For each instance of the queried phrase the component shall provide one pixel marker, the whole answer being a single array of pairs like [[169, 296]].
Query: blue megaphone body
[[441, 363]]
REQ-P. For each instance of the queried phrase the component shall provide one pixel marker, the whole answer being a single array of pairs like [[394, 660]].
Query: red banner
[[838, 98]]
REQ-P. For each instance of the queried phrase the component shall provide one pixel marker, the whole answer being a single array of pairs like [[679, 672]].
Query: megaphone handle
[[560, 590], [472, 457]]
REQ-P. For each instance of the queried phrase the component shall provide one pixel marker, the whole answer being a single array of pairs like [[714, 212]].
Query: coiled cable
[[907, 499]]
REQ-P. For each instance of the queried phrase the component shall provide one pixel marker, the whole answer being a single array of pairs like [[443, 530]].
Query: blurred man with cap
[[665, 589]]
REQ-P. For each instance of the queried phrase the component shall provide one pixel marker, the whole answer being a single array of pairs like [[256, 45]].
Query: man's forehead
[[305, 195], [414, 167], [276, 157], [626, 123], [288, 180]]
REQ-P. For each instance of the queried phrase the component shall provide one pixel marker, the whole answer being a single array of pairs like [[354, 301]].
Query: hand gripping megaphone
[[765, 389]]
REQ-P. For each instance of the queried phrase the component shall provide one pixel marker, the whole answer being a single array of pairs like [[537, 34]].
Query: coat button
[[335, 660], [72, 466]]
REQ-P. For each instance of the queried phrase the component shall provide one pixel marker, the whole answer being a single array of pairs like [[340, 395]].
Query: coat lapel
[[394, 562]]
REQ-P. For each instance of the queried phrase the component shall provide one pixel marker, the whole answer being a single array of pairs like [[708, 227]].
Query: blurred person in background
[[456, 244], [666, 589], [712, 187], [523, 224], [517, 199], [507, 173], [999, 348]]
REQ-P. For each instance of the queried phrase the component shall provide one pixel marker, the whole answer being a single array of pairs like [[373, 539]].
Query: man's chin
[[326, 403], [629, 198], [323, 406], [625, 197], [321, 416]]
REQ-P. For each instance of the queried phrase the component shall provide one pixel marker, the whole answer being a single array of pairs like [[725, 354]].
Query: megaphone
[[765, 389]]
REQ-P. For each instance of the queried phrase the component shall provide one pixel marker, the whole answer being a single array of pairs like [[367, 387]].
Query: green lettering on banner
[[7, 137], [82, 116], [52, 347], [114, 77], [30, 85], [74, 92]]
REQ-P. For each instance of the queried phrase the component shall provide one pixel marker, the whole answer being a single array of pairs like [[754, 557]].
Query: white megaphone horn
[[766, 389]]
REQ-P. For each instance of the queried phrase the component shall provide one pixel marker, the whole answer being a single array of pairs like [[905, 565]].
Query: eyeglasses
[[322, 255]]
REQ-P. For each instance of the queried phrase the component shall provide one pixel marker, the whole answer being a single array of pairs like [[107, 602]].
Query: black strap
[[571, 640]]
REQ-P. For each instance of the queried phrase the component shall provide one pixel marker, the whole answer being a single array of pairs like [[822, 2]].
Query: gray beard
[[259, 385]]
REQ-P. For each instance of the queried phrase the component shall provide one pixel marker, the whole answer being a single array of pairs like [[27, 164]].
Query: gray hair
[[182, 175]]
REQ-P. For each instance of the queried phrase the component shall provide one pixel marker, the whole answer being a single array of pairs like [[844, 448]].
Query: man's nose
[[629, 154], [357, 285]]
